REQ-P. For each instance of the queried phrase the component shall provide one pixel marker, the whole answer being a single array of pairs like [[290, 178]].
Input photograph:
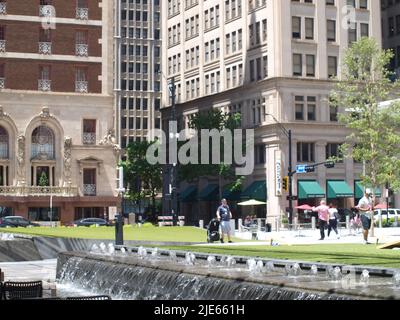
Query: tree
[[144, 179], [43, 181], [374, 139], [213, 119]]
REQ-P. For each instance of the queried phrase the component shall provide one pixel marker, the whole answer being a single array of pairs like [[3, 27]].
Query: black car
[[16, 221], [87, 222]]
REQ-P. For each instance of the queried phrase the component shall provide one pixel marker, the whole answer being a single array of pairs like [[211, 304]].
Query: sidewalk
[[304, 237]]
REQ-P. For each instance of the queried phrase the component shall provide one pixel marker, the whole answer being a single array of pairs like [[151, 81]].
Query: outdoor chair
[[90, 298], [22, 290]]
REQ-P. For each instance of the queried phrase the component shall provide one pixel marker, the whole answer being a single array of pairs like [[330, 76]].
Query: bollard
[[380, 221], [201, 224], [119, 233], [258, 224], [348, 222], [313, 223], [232, 223], [396, 221], [240, 224], [132, 219]]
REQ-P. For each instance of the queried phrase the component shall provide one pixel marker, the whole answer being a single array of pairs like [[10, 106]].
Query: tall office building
[[58, 151], [391, 31], [137, 68], [262, 58]]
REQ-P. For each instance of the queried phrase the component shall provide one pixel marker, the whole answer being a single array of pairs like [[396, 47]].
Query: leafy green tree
[[144, 179], [212, 119], [43, 181], [374, 129]]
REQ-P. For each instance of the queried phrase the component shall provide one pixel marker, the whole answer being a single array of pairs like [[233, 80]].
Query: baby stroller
[[213, 231]]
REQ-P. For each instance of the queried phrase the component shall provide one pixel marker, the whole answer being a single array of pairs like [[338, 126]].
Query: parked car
[[392, 213], [87, 222], [16, 221]]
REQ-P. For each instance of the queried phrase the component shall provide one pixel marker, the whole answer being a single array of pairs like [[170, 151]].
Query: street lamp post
[[119, 230], [173, 173], [288, 134]]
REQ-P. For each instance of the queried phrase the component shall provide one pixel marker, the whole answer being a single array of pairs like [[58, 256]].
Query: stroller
[[213, 231]]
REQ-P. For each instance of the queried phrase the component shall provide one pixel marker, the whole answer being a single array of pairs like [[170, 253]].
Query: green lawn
[[349, 254], [145, 233]]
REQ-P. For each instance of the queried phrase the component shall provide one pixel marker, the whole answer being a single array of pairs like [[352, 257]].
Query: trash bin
[[268, 227]]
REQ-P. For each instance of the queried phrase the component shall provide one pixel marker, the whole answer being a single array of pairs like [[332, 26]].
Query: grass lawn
[[349, 254], [145, 233]]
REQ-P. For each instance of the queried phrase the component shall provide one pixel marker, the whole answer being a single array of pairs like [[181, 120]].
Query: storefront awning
[[359, 190], [257, 190], [310, 189], [209, 193], [188, 195], [339, 189]]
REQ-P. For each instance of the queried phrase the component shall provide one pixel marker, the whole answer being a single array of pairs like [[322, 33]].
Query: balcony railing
[[45, 11], [89, 138], [45, 47], [89, 189], [3, 7], [82, 13], [82, 50], [44, 85], [25, 191], [2, 80], [2, 45], [81, 86]]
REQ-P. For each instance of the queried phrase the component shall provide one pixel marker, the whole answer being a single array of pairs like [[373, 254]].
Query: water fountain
[[251, 265], [142, 252], [154, 253], [364, 277], [314, 270], [111, 249], [172, 256], [270, 266], [211, 261], [396, 278], [123, 251], [336, 274], [296, 270], [102, 247], [230, 261], [190, 258], [260, 266]]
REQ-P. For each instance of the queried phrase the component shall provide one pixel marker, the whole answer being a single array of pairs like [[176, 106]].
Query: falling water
[[396, 278], [211, 261], [314, 270], [365, 277]]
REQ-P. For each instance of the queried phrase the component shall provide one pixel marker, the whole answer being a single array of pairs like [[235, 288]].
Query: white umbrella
[[252, 202]]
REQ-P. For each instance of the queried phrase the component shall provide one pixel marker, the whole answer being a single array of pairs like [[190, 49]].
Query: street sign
[[301, 168]]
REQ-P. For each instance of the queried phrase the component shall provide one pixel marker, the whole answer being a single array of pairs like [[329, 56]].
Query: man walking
[[366, 212], [224, 215], [323, 217]]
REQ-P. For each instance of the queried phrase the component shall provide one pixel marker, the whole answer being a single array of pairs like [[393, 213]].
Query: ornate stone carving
[[45, 114], [110, 140], [67, 159], [21, 157]]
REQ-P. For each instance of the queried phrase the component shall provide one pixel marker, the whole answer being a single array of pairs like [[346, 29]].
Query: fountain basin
[[129, 277]]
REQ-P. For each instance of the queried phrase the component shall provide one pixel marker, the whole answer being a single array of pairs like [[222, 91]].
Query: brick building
[[56, 116]]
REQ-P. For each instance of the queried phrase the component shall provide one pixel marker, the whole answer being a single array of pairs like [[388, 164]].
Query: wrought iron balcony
[[45, 11], [3, 7], [45, 47], [2, 80], [82, 50], [25, 191], [44, 85], [81, 86], [2, 45], [89, 189], [82, 13], [89, 138]]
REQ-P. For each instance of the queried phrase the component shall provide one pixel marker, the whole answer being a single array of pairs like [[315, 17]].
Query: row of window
[[138, 50], [305, 65], [360, 4], [139, 103]]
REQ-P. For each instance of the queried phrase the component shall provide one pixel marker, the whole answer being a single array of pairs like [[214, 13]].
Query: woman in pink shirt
[[323, 217]]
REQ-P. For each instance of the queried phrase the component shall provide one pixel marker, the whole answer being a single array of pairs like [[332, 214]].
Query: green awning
[[359, 190], [339, 189], [210, 193], [310, 189], [231, 195], [189, 194], [257, 191]]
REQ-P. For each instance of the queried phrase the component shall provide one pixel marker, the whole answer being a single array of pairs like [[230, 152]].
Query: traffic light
[[285, 183], [329, 164], [310, 169]]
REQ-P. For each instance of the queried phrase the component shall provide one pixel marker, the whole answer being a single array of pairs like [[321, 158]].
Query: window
[[305, 152], [332, 67], [89, 132], [89, 182], [333, 150], [3, 143], [296, 27], [43, 143], [297, 65]]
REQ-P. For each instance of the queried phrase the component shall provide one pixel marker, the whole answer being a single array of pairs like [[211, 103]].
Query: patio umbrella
[[381, 206], [304, 207], [252, 202]]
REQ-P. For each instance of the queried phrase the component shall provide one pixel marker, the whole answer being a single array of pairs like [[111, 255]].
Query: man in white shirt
[[366, 212]]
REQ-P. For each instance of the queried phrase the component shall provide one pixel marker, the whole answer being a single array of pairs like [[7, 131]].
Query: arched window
[[3, 143], [43, 143]]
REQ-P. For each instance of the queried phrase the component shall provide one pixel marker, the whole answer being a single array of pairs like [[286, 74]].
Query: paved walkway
[[44, 270]]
